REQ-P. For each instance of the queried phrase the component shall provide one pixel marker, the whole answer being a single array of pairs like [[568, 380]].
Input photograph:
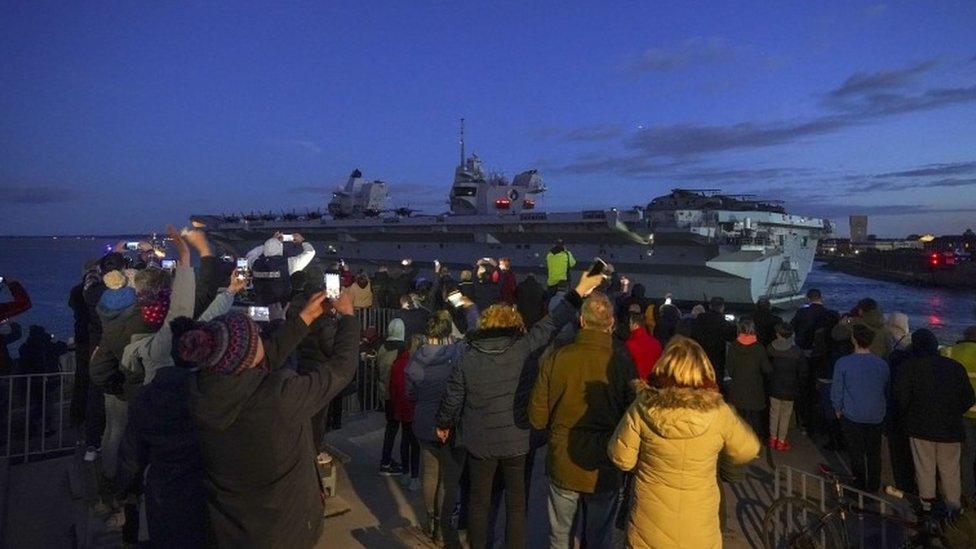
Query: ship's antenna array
[[462, 143]]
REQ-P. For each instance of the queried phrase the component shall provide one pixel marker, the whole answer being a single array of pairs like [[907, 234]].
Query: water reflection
[[946, 312]]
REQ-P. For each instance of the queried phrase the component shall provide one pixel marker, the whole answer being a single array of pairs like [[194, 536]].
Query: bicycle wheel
[[797, 523]]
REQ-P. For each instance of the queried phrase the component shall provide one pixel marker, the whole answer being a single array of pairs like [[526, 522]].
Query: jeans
[[389, 435], [599, 514], [779, 417], [94, 416], [482, 474], [116, 418], [864, 453], [967, 459], [442, 477], [409, 450]]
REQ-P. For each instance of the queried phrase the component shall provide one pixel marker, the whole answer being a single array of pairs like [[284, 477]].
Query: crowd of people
[[215, 417]]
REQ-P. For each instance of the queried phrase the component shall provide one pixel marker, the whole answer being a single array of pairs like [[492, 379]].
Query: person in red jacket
[[21, 301], [506, 280], [403, 413], [644, 348]]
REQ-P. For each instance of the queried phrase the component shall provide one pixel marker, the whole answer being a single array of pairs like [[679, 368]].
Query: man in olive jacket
[[580, 395]]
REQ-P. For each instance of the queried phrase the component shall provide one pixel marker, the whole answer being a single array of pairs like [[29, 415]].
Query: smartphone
[[667, 301], [405, 262], [455, 298], [259, 314], [333, 285], [287, 238], [168, 264], [730, 318], [241, 268], [599, 267], [132, 246]]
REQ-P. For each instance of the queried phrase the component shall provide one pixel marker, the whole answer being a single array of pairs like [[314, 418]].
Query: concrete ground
[[51, 503], [384, 514]]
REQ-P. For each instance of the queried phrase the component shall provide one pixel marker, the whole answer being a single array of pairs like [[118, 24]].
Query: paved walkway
[[384, 514]]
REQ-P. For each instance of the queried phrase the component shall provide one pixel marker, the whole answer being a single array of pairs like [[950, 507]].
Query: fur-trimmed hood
[[678, 412]]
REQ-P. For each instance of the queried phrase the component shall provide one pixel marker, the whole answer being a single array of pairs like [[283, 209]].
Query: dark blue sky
[[124, 116]]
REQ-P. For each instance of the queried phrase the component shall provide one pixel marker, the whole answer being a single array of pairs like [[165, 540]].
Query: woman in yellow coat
[[672, 438]]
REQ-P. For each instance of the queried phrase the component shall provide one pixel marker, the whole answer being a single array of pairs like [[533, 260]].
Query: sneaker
[[91, 454], [783, 446], [392, 469], [773, 443], [414, 484]]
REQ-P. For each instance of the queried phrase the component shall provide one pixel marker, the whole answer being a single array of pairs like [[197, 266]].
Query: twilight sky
[[122, 116]]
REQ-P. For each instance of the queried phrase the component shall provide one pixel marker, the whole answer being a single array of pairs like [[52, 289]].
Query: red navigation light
[[503, 203], [934, 260]]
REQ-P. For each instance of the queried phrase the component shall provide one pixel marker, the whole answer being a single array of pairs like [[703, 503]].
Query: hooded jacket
[[807, 321], [580, 395], [788, 368], [386, 354], [933, 392], [746, 365], [672, 440], [254, 431], [118, 328], [487, 394], [712, 332], [874, 319], [362, 296], [427, 374]]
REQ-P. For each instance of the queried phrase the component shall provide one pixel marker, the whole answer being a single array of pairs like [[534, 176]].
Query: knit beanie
[[154, 306], [118, 299], [226, 345], [396, 330]]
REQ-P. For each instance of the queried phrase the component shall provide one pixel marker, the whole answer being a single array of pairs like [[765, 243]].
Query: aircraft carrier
[[693, 244]]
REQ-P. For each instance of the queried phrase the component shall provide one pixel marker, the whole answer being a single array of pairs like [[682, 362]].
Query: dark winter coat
[[789, 368], [486, 294], [92, 295], [531, 300], [746, 366], [383, 290], [765, 322], [807, 321], [712, 332], [261, 479], [582, 391], [160, 435], [118, 327], [414, 322], [208, 283], [487, 394], [6, 362], [933, 393], [430, 367]]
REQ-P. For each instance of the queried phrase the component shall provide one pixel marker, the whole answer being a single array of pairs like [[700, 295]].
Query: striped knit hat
[[225, 345]]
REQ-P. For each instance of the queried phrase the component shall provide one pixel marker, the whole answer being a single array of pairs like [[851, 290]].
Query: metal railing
[[365, 397], [37, 421], [375, 318], [862, 530]]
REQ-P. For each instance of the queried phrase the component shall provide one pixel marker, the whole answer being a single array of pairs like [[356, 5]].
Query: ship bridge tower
[[472, 193]]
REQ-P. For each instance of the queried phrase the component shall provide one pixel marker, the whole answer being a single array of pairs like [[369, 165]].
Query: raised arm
[[300, 261], [307, 393], [20, 303]]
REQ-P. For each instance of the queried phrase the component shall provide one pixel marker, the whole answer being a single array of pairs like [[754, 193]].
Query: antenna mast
[[462, 143]]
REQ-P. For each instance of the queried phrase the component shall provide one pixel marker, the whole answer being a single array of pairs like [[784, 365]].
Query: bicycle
[[797, 523]]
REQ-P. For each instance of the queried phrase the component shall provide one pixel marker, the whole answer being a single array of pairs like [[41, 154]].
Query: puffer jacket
[[487, 394], [427, 374], [672, 439]]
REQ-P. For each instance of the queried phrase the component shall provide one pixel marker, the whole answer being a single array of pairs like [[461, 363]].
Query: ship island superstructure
[[693, 244]]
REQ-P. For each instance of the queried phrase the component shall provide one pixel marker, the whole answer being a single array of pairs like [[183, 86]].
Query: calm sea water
[[49, 268]]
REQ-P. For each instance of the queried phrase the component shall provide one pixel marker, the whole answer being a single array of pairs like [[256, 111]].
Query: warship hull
[[690, 263]]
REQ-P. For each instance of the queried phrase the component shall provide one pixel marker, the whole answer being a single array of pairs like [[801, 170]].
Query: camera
[[132, 246], [287, 238], [242, 268], [259, 314], [455, 298], [168, 264], [730, 318]]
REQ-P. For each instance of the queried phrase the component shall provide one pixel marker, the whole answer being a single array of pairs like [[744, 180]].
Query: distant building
[[859, 228]]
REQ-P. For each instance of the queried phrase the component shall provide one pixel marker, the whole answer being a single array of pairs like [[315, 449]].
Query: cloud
[[863, 82], [900, 186], [953, 168], [304, 145], [691, 52], [594, 132], [36, 195]]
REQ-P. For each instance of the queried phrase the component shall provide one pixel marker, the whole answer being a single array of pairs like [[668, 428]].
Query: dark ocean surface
[[48, 268]]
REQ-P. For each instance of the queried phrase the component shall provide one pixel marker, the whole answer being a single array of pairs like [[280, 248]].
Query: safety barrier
[[862, 530], [375, 318], [363, 393], [37, 421]]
